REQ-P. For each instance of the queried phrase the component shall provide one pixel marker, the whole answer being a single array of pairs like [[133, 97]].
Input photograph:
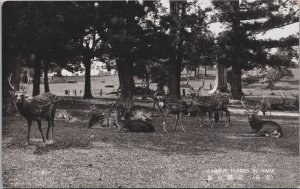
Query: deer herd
[[136, 119]]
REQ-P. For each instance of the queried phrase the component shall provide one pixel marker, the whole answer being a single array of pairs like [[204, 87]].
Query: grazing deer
[[261, 127], [37, 108]]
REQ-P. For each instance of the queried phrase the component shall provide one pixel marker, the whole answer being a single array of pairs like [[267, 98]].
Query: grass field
[[82, 157], [200, 157]]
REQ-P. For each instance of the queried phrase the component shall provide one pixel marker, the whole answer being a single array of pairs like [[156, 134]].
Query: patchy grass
[[82, 157]]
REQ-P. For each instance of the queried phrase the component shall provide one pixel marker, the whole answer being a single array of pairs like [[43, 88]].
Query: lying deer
[[37, 108], [261, 128], [125, 117]]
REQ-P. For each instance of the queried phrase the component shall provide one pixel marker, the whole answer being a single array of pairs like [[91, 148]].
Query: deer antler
[[199, 89], [187, 83], [244, 105], [201, 86], [25, 88], [9, 82]]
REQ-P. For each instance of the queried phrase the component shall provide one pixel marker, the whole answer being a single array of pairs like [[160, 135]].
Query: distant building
[[97, 68]]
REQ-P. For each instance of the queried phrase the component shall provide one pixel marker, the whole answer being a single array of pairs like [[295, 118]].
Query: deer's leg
[[177, 118], [164, 122], [153, 108], [181, 121], [202, 114], [221, 111], [227, 118], [28, 132], [39, 122], [48, 129], [52, 122]]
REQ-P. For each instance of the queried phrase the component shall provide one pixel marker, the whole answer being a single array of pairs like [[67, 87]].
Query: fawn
[[37, 108], [261, 127]]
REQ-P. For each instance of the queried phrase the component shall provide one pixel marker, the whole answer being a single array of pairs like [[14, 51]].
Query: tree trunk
[[46, 83], [87, 82], [125, 73], [236, 83], [204, 70], [36, 76], [175, 58], [222, 76], [174, 78]]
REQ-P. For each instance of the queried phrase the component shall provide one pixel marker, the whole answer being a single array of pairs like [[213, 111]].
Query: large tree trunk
[[236, 83], [37, 74], [176, 53], [87, 83], [125, 73], [222, 73], [174, 76], [46, 83]]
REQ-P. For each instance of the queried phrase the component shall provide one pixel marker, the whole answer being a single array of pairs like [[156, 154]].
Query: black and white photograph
[[150, 94]]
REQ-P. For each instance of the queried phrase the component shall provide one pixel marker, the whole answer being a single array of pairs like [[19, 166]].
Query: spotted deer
[[171, 105], [212, 104], [127, 117], [37, 108]]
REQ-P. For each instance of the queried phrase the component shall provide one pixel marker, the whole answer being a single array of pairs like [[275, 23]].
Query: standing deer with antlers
[[37, 108], [261, 128], [213, 104]]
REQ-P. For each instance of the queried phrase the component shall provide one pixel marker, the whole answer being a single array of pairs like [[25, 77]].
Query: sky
[[271, 34]]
